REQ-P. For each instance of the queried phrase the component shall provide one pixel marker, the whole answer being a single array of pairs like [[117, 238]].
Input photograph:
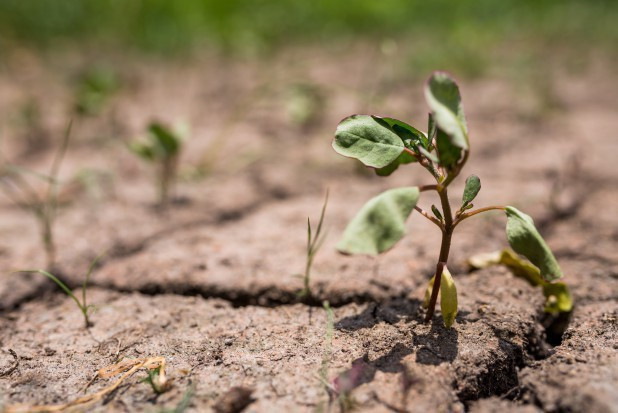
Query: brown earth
[[209, 285]]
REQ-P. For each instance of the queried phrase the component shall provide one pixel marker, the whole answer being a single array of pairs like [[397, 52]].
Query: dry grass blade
[[126, 367]]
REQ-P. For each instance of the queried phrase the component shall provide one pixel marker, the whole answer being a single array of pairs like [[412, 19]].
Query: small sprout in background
[[314, 242], [44, 206], [94, 88], [83, 305], [157, 380], [304, 104], [162, 148], [385, 144], [29, 122]]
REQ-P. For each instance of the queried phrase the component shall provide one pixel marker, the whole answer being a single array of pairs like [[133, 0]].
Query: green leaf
[[410, 136], [436, 212], [428, 292], [429, 155], [143, 150], [59, 283], [380, 223], [558, 297], [526, 240], [448, 153], [442, 95], [404, 158], [472, 188], [165, 139], [448, 298], [364, 138], [431, 128]]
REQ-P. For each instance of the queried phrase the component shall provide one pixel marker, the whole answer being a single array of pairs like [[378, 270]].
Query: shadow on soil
[[439, 345]]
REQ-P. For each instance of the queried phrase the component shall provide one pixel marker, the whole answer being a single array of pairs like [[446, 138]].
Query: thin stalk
[[425, 163], [445, 246], [87, 279], [47, 235], [446, 208], [429, 217], [424, 188], [477, 211], [164, 181], [52, 189], [64, 288], [50, 204], [313, 245]]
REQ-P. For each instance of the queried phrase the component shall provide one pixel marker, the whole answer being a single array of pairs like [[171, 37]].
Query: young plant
[[157, 380], [385, 144], [162, 148], [94, 89], [44, 206], [83, 305], [314, 242]]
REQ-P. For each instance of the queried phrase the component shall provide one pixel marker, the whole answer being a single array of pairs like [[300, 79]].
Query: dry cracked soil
[[209, 283]]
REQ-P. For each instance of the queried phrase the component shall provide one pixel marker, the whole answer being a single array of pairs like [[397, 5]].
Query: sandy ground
[[209, 284]]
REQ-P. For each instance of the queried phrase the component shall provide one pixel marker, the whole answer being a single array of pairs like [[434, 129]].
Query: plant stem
[[167, 178], [47, 234], [429, 217], [445, 247], [424, 188], [477, 211]]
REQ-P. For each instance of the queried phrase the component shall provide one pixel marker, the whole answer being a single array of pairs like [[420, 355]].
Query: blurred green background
[[456, 35]]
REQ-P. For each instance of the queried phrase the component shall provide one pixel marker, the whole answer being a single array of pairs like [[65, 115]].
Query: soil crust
[[210, 283]]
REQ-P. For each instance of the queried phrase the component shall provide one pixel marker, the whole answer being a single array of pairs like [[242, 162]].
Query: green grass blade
[[322, 214], [60, 284], [87, 278]]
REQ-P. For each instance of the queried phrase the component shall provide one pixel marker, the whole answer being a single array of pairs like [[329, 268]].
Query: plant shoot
[[43, 206], [314, 242], [385, 144], [83, 305], [162, 148]]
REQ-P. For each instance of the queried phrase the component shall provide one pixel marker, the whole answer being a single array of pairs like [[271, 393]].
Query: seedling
[[83, 305], [385, 144], [94, 89], [314, 242], [157, 380], [44, 206], [162, 148]]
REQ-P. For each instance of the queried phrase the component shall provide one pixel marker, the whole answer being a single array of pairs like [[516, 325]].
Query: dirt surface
[[209, 284]]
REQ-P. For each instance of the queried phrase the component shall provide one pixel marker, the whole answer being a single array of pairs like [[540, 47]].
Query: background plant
[[385, 144], [94, 89], [162, 147], [15, 185], [83, 305], [314, 242]]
